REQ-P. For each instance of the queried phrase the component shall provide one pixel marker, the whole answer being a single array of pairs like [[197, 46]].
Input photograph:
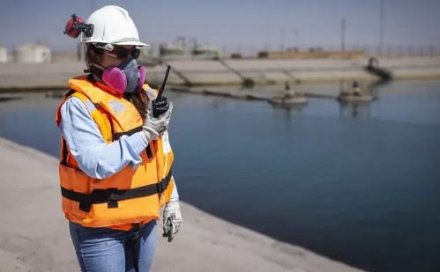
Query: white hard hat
[[113, 25]]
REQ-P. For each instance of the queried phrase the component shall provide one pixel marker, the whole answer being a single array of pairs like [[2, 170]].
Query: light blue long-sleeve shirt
[[95, 157]]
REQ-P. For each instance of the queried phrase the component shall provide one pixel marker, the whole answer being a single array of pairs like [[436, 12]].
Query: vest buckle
[[112, 201]]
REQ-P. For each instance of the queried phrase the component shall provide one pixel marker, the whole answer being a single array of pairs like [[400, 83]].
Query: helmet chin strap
[[95, 69]]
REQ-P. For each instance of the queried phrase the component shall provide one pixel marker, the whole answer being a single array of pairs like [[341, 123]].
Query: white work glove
[[153, 127], [172, 219]]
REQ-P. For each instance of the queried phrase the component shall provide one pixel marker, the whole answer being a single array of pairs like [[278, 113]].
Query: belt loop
[[135, 230], [133, 243], [160, 188], [85, 206]]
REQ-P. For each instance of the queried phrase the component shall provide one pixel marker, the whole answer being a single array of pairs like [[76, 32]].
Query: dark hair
[[138, 99], [93, 54]]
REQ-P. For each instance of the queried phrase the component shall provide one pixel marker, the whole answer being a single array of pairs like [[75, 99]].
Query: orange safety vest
[[129, 196]]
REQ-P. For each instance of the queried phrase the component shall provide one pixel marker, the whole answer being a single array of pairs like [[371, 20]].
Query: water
[[357, 184]]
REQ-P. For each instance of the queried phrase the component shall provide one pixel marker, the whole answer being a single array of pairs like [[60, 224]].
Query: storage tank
[[3, 55], [34, 53]]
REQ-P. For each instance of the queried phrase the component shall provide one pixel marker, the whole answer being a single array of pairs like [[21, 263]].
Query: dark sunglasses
[[123, 53]]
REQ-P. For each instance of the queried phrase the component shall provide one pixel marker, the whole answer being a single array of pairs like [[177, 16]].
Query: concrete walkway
[[43, 76], [34, 235]]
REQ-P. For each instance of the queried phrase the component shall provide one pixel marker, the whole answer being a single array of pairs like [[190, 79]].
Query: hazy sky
[[257, 23]]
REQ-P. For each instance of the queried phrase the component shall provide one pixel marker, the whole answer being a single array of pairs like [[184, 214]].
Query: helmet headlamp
[[76, 25]]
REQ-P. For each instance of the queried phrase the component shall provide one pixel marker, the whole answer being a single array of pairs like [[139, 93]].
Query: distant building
[[33, 53], [148, 56], [147, 52], [3, 55], [181, 49], [205, 52], [312, 53], [170, 51]]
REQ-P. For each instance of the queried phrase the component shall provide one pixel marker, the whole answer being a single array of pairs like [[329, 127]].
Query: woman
[[115, 162]]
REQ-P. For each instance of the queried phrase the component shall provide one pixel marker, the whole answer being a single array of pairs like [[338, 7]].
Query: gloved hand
[[172, 219], [160, 106], [153, 126]]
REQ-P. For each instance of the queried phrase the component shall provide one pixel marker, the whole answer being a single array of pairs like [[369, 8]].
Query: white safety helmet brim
[[126, 42], [113, 25]]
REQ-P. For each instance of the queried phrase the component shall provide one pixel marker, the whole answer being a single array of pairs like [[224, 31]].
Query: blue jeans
[[109, 250]]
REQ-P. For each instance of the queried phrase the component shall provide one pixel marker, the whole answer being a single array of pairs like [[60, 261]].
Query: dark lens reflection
[[123, 53]]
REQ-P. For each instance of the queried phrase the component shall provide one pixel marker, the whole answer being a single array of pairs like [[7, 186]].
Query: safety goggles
[[124, 53]]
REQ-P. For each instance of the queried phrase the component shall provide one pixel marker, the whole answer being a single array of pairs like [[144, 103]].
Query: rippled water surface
[[360, 184]]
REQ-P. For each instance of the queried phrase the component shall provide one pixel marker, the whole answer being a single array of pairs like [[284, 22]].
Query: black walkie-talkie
[[160, 104], [162, 88]]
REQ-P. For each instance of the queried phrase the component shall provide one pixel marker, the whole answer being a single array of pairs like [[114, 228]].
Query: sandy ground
[[34, 234]]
